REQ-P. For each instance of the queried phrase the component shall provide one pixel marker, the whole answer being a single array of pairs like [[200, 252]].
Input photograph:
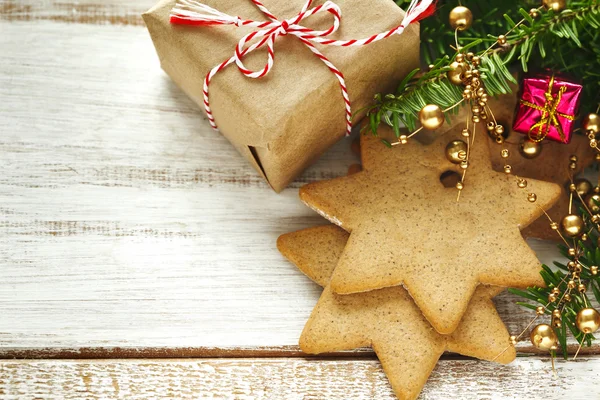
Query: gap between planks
[[212, 352]]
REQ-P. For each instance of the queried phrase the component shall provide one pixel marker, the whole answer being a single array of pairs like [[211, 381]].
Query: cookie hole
[[450, 178]]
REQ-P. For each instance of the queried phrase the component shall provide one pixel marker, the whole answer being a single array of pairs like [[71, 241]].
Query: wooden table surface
[[137, 248]]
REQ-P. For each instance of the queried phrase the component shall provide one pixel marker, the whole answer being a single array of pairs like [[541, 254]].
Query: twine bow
[[550, 114], [192, 12]]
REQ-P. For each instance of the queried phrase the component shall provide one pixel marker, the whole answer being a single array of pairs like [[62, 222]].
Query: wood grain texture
[[113, 12], [290, 379], [125, 221]]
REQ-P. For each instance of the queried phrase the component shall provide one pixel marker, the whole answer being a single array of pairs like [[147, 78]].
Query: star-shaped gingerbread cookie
[[388, 320], [407, 228]]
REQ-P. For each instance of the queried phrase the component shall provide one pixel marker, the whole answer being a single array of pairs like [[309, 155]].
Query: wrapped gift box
[[283, 122], [547, 108]]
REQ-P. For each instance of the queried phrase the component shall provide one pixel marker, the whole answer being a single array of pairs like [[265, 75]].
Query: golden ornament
[[581, 288], [532, 197], [583, 187], [534, 13], [456, 73], [556, 5], [431, 117], [544, 338], [522, 183], [540, 310], [460, 186], [461, 18], [465, 132], [456, 151], [594, 270], [591, 203], [403, 139], [504, 153], [572, 225], [591, 123], [502, 39], [507, 169], [588, 320], [572, 252], [530, 149]]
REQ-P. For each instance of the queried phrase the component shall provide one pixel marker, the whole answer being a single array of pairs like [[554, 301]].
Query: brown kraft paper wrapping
[[283, 122]]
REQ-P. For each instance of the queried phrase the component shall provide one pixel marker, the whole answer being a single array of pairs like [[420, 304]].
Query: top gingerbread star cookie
[[407, 228]]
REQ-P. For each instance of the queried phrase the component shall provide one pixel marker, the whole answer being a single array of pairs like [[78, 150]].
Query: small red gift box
[[547, 108]]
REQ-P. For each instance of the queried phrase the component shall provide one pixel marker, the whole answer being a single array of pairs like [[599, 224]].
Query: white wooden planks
[[290, 379]]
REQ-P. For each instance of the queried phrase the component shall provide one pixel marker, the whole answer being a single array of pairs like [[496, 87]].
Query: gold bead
[[456, 151], [468, 76], [403, 139], [591, 123], [499, 139], [461, 18], [567, 297], [556, 314], [476, 60], [595, 218], [572, 252], [460, 186], [467, 94], [572, 187], [594, 270], [504, 153], [575, 275], [490, 126], [572, 225], [484, 97], [475, 81], [481, 103], [470, 56], [431, 117], [534, 13], [522, 183], [556, 5], [480, 92], [593, 143], [499, 129], [556, 291], [588, 320], [459, 58], [483, 116], [540, 310], [532, 197], [571, 265], [530, 149], [544, 338], [556, 323], [507, 169], [571, 284], [552, 298], [475, 72], [573, 158], [581, 288], [572, 165], [455, 75], [591, 203], [475, 119], [513, 340], [502, 39], [583, 187], [554, 226], [475, 109], [584, 237], [464, 164], [465, 132]]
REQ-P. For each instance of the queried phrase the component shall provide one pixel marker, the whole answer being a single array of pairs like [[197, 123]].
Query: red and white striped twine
[[192, 12]]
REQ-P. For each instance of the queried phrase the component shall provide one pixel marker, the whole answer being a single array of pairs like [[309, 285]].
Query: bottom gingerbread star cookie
[[388, 319]]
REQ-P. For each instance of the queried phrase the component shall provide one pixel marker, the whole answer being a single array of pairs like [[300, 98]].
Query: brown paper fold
[[283, 122]]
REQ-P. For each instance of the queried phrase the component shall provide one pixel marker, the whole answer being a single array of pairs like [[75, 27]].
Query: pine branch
[[568, 41]]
